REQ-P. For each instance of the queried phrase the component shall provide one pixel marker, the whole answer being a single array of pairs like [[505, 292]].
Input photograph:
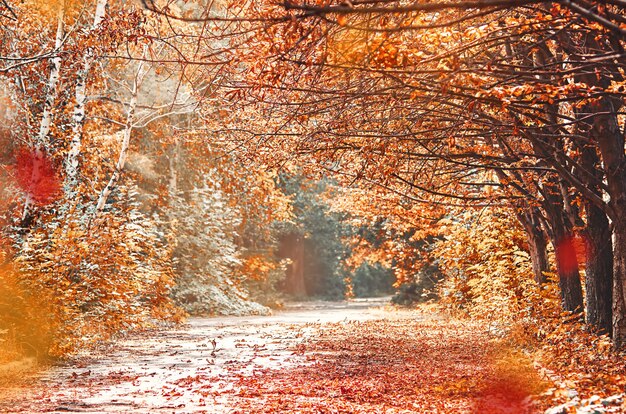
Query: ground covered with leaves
[[394, 366], [342, 358]]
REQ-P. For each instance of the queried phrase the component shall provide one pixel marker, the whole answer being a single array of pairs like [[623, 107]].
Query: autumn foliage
[[145, 145], [113, 215]]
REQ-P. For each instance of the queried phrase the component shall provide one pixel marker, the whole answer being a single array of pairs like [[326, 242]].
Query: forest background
[[163, 157]]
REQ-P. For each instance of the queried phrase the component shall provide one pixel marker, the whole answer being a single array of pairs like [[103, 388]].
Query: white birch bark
[[53, 80], [174, 159], [78, 119], [128, 129], [41, 141], [121, 161]]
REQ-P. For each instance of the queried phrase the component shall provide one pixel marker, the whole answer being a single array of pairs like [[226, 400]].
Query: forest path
[[342, 357]]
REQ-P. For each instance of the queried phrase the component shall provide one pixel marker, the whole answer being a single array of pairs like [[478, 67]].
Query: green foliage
[[326, 234], [421, 289], [371, 280], [321, 231]]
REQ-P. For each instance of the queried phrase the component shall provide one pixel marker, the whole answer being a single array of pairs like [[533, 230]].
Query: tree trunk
[[619, 284], [128, 130], [174, 162], [609, 140], [46, 118], [598, 270], [537, 246], [599, 248], [538, 255], [295, 283], [53, 80], [121, 161], [78, 118], [567, 269], [564, 251], [611, 144]]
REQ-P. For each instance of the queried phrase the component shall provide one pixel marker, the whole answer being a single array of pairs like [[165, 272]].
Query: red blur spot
[[567, 259], [36, 175], [584, 248], [503, 396]]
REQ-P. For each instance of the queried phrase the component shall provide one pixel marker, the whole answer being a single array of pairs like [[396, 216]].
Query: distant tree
[[318, 242]]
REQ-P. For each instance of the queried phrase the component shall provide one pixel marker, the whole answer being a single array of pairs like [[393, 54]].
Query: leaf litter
[[348, 357]]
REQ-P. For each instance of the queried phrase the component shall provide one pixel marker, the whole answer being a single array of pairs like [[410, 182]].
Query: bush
[[99, 277], [487, 271], [207, 259], [371, 280], [24, 318], [422, 289]]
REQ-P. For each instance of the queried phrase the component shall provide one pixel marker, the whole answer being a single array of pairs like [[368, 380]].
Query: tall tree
[[78, 118]]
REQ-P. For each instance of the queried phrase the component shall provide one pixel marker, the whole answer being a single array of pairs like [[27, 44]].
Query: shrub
[[99, 277]]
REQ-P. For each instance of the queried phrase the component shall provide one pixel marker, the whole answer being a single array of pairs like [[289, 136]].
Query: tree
[[312, 241], [78, 118], [536, 105], [359, 81], [115, 272]]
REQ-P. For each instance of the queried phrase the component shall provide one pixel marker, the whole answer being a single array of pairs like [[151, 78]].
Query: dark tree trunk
[[599, 247], [611, 143], [292, 247], [598, 270], [537, 245], [557, 205], [609, 140], [567, 269], [619, 284], [564, 251]]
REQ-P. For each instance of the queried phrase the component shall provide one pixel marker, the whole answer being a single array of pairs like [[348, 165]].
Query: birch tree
[[78, 119], [128, 129], [41, 141], [46, 118], [148, 114]]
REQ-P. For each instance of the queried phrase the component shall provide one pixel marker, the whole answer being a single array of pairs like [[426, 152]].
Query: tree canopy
[[161, 156]]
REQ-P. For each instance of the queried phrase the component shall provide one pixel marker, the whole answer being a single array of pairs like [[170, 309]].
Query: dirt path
[[314, 358]]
